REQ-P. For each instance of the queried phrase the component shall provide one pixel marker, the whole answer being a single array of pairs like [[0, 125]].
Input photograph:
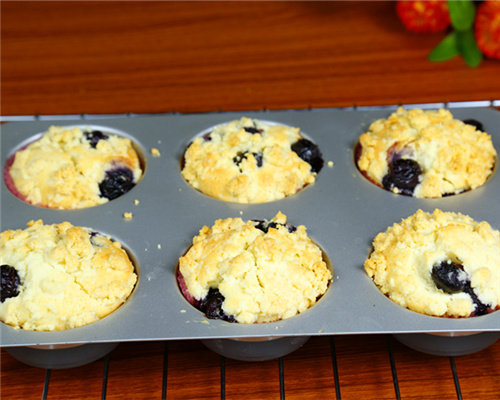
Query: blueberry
[[265, 225], [211, 305], [116, 182], [310, 153], [403, 174], [451, 278], [473, 122], [10, 282], [243, 155], [93, 235], [94, 137], [481, 308], [253, 130], [258, 159]]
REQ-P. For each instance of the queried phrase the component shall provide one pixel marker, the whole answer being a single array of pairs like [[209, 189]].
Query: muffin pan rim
[[173, 320]]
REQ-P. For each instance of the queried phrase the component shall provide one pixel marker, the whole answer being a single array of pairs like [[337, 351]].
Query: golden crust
[[453, 156], [62, 170], [263, 276], [403, 256], [209, 165], [68, 278]]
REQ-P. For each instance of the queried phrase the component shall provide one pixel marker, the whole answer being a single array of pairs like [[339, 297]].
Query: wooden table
[[161, 57]]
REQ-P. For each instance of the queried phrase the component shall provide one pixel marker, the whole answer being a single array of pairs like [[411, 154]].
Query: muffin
[[253, 272], [60, 276], [70, 168], [251, 161], [425, 154], [442, 264]]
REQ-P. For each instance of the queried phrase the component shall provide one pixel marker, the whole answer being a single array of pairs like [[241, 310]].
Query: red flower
[[424, 16], [487, 28]]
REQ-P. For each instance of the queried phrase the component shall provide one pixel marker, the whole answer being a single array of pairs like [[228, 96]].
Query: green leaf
[[462, 13], [467, 45], [446, 49]]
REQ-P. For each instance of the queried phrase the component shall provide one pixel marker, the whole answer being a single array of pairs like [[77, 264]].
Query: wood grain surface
[[113, 57], [146, 57]]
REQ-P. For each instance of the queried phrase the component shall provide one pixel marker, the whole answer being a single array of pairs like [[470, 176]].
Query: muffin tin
[[342, 211]]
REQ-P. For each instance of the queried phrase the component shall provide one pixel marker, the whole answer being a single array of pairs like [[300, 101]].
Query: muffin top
[[263, 271], [69, 168], [251, 161], [443, 264], [61, 276], [425, 154]]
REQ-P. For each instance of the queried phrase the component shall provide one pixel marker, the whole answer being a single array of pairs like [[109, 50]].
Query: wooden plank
[[252, 380], [308, 372], [364, 367], [85, 382], [479, 374], [136, 370], [193, 371], [423, 376], [14, 378]]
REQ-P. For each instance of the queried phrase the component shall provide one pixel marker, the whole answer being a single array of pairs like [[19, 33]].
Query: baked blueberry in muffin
[[70, 168], [252, 272], [10, 282], [441, 264], [60, 276], [251, 161], [425, 154]]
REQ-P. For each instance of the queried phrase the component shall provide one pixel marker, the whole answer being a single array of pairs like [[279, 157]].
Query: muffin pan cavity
[[251, 161], [57, 277], [64, 167], [425, 153], [158, 218], [257, 271]]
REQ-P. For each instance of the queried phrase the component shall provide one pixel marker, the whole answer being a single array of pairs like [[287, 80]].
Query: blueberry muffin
[[60, 276], [425, 154], [442, 264], [69, 168], [252, 272], [251, 161]]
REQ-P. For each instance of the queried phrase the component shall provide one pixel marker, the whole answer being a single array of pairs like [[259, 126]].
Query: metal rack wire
[[282, 391]]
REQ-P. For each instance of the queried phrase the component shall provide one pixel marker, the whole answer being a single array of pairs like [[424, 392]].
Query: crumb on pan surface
[[449, 156], [441, 264], [67, 276], [262, 276], [250, 161], [66, 167]]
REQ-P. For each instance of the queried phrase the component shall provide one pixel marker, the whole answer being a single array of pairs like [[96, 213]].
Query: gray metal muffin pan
[[341, 210]]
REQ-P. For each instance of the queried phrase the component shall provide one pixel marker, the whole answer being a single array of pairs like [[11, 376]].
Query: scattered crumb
[[205, 322], [330, 164], [159, 246], [183, 311], [128, 216], [136, 202], [321, 330], [155, 152], [159, 141], [241, 212]]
